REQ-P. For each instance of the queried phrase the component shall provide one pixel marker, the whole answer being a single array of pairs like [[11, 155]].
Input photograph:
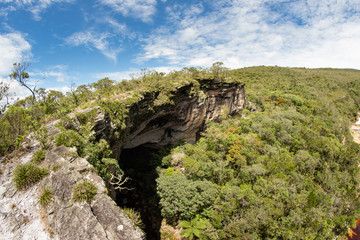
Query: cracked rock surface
[[22, 217]]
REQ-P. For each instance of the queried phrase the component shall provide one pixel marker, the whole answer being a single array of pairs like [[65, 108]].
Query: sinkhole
[[139, 164]]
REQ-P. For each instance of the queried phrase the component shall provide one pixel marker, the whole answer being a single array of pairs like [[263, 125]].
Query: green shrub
[[70, 138], [117, 112], [99, 154], [108, 167], [55, 167], [46, 197], [86, 117], [27, 174], [39, 156], [134, 216], [84, 191], [193, 228], [42, 135], [181, 198]]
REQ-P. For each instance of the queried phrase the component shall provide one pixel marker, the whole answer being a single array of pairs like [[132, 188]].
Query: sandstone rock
[[185, 118], [22, 217], [157, 126]]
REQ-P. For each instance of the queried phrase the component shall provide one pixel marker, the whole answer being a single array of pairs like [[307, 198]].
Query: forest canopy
[[285, 168]]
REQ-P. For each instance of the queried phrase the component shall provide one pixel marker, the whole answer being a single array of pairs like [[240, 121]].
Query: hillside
[[192, 156]]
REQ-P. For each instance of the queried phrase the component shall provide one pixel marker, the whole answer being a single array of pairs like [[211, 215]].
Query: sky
[[81, 41]]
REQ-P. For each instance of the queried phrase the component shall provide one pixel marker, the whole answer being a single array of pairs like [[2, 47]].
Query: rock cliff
[[186, 117], [183, 119]]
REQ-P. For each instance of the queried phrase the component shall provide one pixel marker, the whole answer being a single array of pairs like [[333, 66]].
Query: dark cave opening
[[139, 164]]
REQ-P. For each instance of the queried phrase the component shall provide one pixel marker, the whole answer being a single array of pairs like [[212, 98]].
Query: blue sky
[[78, 41]]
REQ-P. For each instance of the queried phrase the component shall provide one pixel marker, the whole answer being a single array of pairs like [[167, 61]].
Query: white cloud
[[63, 89], [13, 48], [118, 27], [57, 72], [126, 75], [240, 33], [33, 6], [91, 39], [143, 9]]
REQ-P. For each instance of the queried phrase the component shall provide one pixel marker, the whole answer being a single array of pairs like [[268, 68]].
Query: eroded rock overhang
[[183, 119]]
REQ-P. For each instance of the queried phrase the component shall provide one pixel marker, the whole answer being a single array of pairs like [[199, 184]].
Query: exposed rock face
[[22, 217], [184, 119], [355, 131]]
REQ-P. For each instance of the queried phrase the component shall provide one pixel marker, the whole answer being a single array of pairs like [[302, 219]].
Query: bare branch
[[118, 181]]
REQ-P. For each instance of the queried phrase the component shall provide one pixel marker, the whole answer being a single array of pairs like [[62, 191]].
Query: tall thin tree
[[22, 78]]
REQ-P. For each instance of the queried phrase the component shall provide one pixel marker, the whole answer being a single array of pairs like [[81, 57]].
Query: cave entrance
[[140, 165]]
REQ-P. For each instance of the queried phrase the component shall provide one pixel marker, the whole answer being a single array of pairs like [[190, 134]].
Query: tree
[[22, 78], [4, 88], [42, 94], [83, 92], [73, 93], [103, 86], [218, 70], [181, 198]]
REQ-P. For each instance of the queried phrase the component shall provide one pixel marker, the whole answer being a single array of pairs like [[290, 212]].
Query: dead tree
[[119, 181]]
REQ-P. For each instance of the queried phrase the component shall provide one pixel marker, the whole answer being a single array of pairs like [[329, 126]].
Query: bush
[[25, 175], [39, 156], [46, 197], [134, 217], [117, 112], [181, 198], [70, 138], [99, 154], [41, 135], [84, 191]]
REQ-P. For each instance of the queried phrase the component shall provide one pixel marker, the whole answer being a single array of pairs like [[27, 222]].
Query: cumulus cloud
[[240, 33], [91, 40], [13, 48], [143, 9]]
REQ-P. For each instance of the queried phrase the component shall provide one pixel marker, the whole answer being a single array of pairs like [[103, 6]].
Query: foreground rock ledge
[[22, 217]]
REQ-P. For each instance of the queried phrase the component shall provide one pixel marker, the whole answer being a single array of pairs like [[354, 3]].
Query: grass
[[46, 196], [55, 167], [39, 156], [84, 191], [25, 175], [134, 217]]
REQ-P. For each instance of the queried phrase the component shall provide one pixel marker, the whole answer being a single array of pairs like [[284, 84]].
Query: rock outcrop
[[182, 120], [355, 131], [22, 217], [186, 117]]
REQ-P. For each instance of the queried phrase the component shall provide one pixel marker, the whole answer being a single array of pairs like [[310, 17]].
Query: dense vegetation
[[284, 168], [288, 170]]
